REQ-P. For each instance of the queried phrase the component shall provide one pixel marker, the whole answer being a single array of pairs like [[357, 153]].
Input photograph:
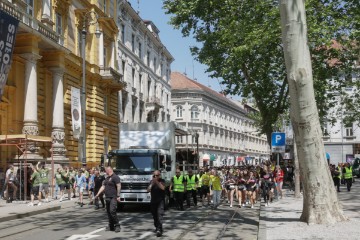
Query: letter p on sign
[[278, 142]]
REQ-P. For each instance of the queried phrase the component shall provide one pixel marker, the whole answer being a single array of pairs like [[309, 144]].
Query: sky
[[173, 40]]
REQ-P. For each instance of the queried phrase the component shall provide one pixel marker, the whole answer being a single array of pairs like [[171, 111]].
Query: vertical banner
[[8, 28], [76, 112]]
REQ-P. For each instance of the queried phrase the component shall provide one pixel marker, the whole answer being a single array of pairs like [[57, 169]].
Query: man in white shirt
[[10, 178]]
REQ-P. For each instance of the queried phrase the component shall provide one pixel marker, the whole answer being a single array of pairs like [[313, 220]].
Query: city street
[[75, 223]]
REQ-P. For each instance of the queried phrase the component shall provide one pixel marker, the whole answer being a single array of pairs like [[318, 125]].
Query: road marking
[[144, 235], [96, 231], [82, 237]]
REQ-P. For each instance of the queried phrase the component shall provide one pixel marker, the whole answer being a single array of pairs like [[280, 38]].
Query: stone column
[[46, 13], [58, 133], [30, 106]]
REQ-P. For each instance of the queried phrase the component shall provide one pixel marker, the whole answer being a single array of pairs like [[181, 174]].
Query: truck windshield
[[134, 163]]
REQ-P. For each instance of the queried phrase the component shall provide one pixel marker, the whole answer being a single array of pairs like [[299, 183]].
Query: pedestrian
[[241, 189], [177, 186], [35, 186], [230, 186], [80, 183], [72, 176], [216, 188], [112, 187], [10, 179], [336, 173], [205, 187], [66, 176], [347, 171], [191, 186], [157, 202], [91, 186], [251, 187], [98, 181], [279, 179], [44, 180]]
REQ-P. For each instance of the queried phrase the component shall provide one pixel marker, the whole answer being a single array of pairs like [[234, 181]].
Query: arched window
[[194, 112], [179, 110]]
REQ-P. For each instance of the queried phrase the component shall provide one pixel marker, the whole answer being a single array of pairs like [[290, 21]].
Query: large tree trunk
[[321, 204], [297, 171]]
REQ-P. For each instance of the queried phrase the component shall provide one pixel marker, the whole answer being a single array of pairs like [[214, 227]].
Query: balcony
[[111, 79], [153, 104], [29, 21]]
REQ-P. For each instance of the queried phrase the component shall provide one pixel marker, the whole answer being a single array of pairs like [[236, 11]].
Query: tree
[[241, 44], [320, 199]]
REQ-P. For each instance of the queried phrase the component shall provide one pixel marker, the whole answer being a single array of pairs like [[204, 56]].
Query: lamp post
[[90, 18]]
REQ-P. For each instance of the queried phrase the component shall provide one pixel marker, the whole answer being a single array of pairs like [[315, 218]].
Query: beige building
[[47, 62], [227, 136]]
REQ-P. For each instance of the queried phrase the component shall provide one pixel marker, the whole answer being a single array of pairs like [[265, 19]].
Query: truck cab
[[135, 168]]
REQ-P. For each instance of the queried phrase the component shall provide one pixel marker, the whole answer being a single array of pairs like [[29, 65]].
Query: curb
[[29, 214], [262, 224]]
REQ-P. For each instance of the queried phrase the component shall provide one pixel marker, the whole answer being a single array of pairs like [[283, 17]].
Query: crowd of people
[[243, 185]]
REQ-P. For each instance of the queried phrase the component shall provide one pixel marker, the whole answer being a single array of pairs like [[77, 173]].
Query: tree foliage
[[241, 44]]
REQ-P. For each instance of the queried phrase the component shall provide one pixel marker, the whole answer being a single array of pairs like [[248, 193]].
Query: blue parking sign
[[278, 140]]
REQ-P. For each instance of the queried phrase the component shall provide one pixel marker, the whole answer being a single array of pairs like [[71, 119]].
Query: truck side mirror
[[168, 168]]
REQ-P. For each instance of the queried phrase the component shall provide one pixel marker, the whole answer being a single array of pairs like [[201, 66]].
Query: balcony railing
[[28, 20]]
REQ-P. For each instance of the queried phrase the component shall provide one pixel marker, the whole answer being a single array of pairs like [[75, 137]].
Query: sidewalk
[[16, 210], [281, 219]]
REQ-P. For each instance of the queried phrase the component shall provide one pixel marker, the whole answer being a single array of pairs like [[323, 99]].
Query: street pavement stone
[[280, 221], [74, 223]]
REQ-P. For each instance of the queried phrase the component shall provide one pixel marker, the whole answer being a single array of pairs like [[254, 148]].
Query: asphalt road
[[75, 223]]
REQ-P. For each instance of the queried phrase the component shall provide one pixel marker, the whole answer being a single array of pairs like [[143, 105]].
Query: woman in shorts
[[60, 181], [251, 188], [230, 186], [241, 189], [80, 184]]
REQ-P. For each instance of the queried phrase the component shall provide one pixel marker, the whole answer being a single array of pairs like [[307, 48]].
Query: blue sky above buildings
[[172, 38]]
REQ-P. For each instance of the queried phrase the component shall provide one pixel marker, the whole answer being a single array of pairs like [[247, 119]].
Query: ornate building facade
[[47, 63], [226, 135], [145, 63]]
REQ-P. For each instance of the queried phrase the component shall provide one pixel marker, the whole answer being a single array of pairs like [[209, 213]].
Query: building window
[[30, 7], [179, 139], [79, 41], [123, 67], [123, 33], [140, 83], [106, 105], [194, 112], [112, 7], [148, 58], [133, 42], [105, 57], [140, 50], [155, 64], [349, 130], [58, 24], [133, 77], [179, 111]]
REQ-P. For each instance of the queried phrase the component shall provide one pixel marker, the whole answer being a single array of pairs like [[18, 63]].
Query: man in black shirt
[[157, 190], [112, 187], [98, 181]]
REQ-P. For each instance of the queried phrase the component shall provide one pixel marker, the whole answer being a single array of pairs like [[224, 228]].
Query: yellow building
[[47, 62]]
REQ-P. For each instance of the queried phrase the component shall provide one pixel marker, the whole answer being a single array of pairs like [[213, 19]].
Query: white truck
[[144, 147]]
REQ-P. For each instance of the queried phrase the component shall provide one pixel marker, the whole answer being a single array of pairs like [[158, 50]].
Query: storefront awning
[[240, 159], [206, 157]]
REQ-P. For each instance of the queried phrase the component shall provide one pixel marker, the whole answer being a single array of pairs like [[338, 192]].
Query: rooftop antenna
[[185, 72], [193, 69], [138, 7]]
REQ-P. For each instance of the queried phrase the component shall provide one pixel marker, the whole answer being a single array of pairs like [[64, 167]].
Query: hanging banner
[[76, 112], [8, 28]]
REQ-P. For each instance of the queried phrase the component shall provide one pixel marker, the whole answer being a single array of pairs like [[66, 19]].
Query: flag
[[76, 112], [8, 28]]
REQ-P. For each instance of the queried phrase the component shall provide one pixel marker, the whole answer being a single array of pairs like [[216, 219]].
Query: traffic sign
[[278, 141]]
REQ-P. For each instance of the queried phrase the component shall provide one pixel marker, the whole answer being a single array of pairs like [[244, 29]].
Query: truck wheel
[[167, 201], [120, 207]]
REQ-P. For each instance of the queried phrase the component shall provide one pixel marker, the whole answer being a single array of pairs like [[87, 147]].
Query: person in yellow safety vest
[[205, 187], [191, 186], [347, 171], [199, 176], [178, 187]]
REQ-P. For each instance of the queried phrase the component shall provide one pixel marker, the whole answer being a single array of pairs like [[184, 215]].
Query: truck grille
[[134, 186]]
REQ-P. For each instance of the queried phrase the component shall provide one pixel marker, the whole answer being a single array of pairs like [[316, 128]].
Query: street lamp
[[90, 18]]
